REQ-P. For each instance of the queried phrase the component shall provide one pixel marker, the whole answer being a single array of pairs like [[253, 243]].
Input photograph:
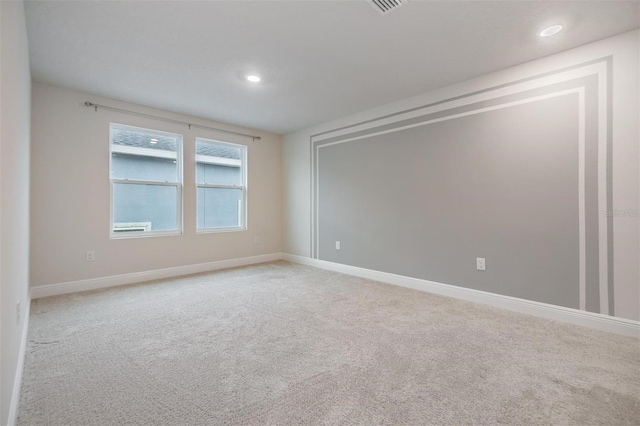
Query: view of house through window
[[146, 179], [221, 185]]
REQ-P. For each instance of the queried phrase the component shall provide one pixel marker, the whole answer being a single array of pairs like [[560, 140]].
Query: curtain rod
[[169, 120]]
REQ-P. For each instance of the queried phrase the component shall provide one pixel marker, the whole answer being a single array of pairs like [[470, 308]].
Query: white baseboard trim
[[17, 381], [137, 277], [596, 321], [602, 322]]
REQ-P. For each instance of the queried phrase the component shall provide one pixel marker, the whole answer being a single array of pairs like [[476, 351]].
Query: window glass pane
[[138, 206], [218, 164], [219, 208], [144, 155], [218, 175], [137, 167]]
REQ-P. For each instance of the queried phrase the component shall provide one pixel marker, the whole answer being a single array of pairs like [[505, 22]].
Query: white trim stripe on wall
[[582, 221]]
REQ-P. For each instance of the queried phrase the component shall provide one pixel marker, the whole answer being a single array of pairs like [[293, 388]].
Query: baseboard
[[17, 381], [136, 277], [607, 323]]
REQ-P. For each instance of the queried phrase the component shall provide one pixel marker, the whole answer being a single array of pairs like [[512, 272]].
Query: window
[[221, 184], [146, 182]]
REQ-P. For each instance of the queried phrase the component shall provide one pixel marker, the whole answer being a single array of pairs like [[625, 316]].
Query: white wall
[[625, 177], [15, 106], [70, 193]]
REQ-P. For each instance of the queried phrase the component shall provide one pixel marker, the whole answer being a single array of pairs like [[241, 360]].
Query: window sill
[[220, 230], [149, 234]]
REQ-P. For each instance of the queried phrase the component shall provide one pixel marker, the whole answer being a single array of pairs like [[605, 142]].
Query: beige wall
[[15, 108], [624, 51], [70, 193]]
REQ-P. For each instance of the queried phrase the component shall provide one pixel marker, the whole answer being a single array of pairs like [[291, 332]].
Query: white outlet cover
[[337, 245], [481, 264]]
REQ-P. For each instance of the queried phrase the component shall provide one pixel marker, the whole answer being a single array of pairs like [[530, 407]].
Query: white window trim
[[243, 164], [155, 153], [208, 159], [145, 152]]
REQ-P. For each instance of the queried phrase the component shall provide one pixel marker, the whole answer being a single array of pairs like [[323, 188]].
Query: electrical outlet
[[91, 256], [337, 245], [481, 264], [256, 240], [18, 312]]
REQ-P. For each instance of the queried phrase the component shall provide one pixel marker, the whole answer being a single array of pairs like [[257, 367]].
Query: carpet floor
[[281, 344]]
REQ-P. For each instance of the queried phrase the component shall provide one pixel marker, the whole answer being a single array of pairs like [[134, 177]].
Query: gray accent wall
[[427, 201], [605, 73]]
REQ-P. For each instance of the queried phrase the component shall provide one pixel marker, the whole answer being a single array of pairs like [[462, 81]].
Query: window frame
[[177, 184], [244, 226]]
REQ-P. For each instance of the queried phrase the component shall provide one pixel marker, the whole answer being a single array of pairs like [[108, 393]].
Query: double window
[[147, 184]]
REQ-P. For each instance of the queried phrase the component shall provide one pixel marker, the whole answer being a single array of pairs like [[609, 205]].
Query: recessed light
[[253, 78], [153, 140], [552, 30]]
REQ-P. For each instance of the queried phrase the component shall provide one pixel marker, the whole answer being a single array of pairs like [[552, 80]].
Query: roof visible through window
[[140, 139]]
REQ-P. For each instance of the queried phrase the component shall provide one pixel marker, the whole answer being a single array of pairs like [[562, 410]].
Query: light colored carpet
[[286, 344]]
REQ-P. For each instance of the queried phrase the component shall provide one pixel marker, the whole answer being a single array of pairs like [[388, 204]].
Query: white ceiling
[[319, 60]]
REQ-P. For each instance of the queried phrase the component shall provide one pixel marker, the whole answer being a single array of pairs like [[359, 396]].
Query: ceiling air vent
[[385, 6]]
